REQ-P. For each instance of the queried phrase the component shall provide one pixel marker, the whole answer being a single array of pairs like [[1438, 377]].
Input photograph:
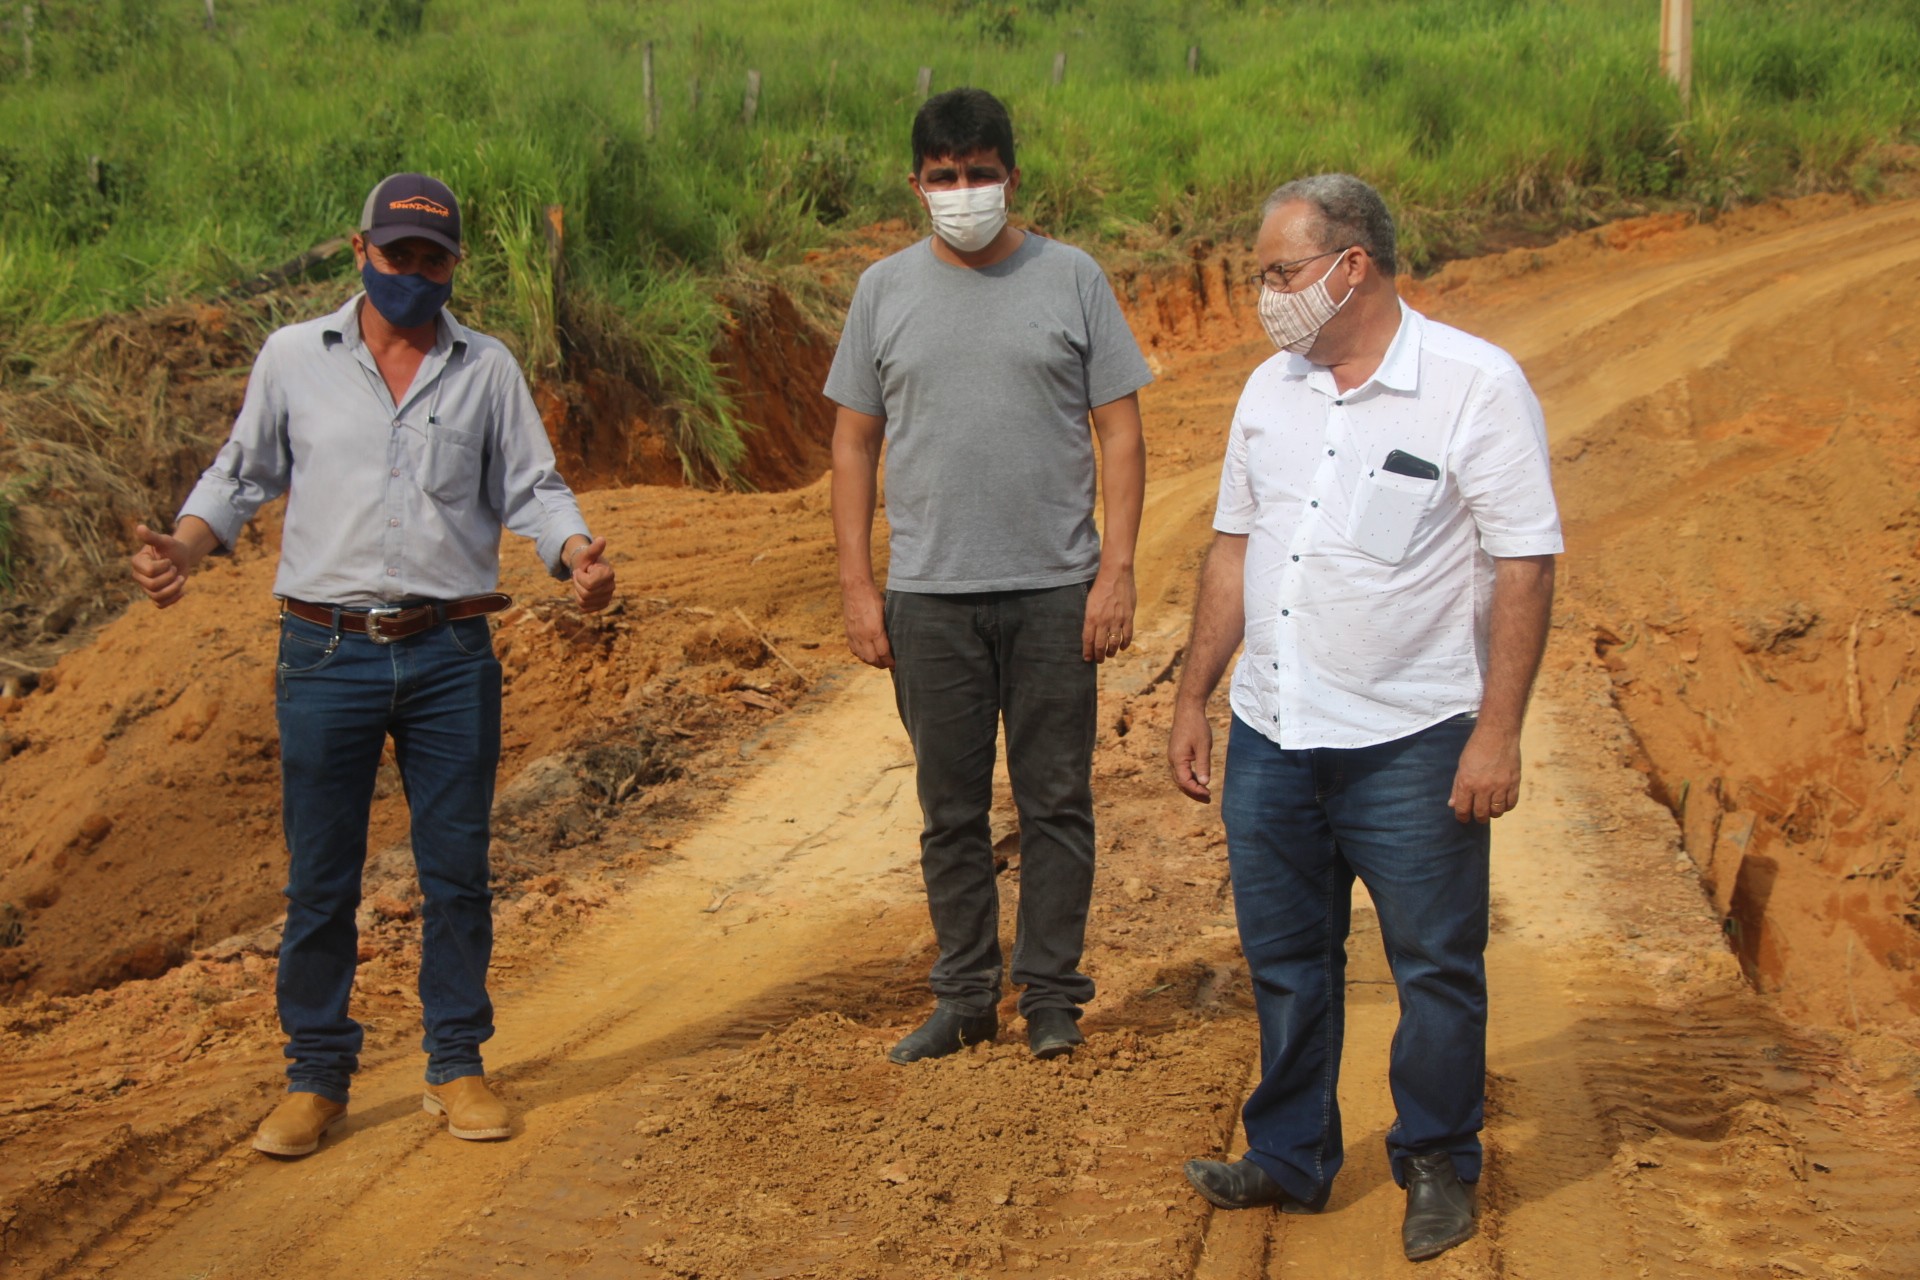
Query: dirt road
[[696, 1060]]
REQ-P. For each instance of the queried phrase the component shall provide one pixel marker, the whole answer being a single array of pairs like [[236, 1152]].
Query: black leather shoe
[[1244, 1185], [1439, 1207], [947, 1031], [1052, 1032]]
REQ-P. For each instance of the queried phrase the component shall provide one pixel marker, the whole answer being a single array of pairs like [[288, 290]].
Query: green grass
[[148, 158]]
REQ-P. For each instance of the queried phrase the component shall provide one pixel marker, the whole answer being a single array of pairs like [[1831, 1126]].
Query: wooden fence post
[[1060, 68], [923, 84], [1193, 59], [1676, 45], [556, 227], [647, 89], [26, 41], [693, 93], [750, 105], [212, 22]]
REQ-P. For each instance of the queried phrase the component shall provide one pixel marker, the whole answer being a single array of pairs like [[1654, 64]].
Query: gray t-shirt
[[985, 377]]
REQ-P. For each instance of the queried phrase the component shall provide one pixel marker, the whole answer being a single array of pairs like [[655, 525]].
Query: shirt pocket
[[1386, 512], [450, 465]]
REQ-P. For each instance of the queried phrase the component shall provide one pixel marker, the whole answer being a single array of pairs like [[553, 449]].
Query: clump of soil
[[1740, 509], [141, 796], [976, 1151]]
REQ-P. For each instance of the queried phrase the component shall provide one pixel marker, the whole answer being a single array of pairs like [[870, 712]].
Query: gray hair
[[1351, 212]]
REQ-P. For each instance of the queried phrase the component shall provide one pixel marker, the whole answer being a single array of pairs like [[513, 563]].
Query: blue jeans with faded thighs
[[1300, 826], [339, 696]]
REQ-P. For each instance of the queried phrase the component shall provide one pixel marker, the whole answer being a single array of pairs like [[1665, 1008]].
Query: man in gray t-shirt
[[978, 357]]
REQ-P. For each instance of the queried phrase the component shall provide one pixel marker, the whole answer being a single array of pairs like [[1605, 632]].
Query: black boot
[[1245, 1185], [1052, 1032], [1439, 1206], [947, 1031]]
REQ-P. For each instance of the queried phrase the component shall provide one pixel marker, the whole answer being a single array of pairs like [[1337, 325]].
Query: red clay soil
[[608, 431], [1743, 510], [700, 1002], [161, 706], [141, 815]]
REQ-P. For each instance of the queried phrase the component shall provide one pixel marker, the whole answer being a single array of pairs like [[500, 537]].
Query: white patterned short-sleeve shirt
[[1367, 590]]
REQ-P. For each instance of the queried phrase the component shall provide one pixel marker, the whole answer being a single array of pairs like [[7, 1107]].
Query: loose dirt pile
[[141, 815]]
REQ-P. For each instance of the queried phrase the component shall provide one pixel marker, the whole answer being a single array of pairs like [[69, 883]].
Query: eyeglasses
[[405, 260], [1278, 276]]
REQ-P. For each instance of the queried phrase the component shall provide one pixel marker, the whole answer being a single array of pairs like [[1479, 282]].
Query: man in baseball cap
[[413, 222], [411, 204], [404, 441]]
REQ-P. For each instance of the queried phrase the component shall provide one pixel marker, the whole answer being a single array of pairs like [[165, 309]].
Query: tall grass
[[6, 537], [149, 158]]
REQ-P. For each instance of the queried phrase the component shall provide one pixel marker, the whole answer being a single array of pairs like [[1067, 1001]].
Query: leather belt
[[387, 623]]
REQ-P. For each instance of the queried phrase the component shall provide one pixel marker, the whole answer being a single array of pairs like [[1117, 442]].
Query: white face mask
[[968, 218], [1294, 320]]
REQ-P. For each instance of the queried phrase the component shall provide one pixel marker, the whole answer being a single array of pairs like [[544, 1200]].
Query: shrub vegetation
[[147, 154]]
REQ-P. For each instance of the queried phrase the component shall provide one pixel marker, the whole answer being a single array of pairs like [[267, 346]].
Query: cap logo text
[[420, 204]]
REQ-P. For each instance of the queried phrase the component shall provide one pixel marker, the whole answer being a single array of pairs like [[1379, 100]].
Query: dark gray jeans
[[961, 663]]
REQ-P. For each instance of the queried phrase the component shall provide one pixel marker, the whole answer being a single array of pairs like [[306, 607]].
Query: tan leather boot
[[295, 1126], [471, 1110]]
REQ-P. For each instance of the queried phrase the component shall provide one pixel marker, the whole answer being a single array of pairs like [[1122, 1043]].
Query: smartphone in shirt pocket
[[1387, 508]]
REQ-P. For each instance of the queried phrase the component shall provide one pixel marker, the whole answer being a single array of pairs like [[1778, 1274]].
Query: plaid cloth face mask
[[1294, 320]]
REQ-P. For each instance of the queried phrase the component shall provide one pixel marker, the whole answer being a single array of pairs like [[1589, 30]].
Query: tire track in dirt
[[1631, 328], [710, 948], [1647, 1113], [1542, 1210]]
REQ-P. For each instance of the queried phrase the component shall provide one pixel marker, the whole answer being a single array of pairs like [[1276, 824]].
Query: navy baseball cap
[[412, 204]]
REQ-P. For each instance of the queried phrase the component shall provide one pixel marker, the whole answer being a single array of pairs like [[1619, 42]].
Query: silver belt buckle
[[373, 631]]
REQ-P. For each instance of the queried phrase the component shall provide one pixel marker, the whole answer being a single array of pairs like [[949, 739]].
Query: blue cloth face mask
[[406, 302]]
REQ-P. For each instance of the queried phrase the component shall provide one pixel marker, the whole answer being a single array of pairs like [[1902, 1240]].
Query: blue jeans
[[339, 696], [962, 663], [1300, 826]]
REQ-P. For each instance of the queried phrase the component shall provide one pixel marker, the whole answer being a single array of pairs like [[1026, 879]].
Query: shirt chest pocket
[[450, 464], [1386, 513]]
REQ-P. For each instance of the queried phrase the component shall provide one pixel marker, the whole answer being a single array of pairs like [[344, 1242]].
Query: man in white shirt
[[1384, 546]]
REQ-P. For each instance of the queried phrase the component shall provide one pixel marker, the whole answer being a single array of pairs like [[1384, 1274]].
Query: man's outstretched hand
[[161, 565], [592, 577]]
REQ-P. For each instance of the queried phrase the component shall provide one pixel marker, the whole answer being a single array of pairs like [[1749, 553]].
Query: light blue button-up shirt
[[388, 502]]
